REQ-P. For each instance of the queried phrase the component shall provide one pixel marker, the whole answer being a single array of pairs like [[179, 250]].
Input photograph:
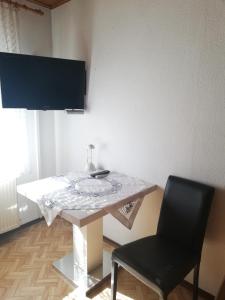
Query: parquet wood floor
[[26, 271]]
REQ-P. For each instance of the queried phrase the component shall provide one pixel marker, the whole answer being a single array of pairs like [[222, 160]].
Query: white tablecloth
[[77, 191]]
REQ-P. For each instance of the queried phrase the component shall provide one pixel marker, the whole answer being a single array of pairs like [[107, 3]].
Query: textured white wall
[[155, 102]]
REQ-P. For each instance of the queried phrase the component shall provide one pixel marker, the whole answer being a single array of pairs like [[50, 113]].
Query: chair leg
[[195, 282], [114, 272], [163, 297]]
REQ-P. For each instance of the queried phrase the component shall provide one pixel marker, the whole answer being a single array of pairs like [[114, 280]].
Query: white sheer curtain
[[14, 148], [8, 28], [14, 154]]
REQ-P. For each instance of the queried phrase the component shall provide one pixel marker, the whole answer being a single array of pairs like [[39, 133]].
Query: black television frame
[[76, 75]]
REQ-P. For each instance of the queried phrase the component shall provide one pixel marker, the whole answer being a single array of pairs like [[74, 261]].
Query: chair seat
[[161, 261]]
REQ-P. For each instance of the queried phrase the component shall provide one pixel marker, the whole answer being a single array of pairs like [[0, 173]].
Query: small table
[[88, 265]]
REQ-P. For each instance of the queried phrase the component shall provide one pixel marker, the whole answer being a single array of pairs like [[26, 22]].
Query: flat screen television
[[42, 83]]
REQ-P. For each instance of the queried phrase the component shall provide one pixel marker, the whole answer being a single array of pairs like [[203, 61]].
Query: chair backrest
[[184, 212]]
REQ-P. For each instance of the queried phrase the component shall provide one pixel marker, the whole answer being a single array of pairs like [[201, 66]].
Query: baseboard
[[8, 233], [110, 242], [185, 283], [201, 292]]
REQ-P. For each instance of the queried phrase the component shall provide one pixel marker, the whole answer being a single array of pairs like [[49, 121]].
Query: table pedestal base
[[86, 282]]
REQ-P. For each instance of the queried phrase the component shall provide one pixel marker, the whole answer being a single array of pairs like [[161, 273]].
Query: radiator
[[8, 206]]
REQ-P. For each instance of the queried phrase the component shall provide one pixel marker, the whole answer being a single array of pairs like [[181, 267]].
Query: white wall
[[155, 102], [35, 39], [35, 31]]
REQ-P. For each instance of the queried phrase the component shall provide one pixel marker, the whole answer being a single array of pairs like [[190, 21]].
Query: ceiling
[[49, 3]]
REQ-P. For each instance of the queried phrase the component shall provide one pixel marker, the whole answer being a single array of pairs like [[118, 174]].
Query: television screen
[[41, 83]]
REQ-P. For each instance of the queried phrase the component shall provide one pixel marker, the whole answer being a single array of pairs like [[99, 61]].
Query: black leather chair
[[163, 260]]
